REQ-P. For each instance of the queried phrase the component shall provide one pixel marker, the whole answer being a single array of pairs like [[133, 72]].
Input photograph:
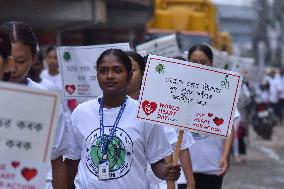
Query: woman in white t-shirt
[[109, 147], [138, 68], [24, 52], [52, 72], [34, 73], [5, 52], [209, 154]]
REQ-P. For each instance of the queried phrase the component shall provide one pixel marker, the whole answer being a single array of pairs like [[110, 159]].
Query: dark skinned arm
[[164, 171], [59, 177], [71, 169]]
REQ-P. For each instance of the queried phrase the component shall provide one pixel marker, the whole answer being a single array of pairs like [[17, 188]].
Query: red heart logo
[[29, 174], [149, 107], [218, 121], [15, 164], [70, 89], [210, 114]]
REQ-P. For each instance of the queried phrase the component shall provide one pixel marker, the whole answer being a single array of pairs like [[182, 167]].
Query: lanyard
[[113, 129], [26, 82]]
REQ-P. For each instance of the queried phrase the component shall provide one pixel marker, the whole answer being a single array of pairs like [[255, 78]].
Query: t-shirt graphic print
[[119, 152]]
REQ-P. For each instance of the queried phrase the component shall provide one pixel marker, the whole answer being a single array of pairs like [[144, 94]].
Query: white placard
[[189, 96], [16, 174], [28, 120], [243, 65], [78, 68], [165, 46]]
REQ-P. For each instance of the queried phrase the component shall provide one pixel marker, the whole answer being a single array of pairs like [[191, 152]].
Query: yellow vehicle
[[194, 21]]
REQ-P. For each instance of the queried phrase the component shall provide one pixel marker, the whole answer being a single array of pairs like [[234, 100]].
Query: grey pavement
[[263, 167]]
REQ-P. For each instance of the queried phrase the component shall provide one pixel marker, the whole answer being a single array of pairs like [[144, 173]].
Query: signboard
[[78, 68], [165, 46], [189, 96], [242, 65], [28, 121], [22, 174]]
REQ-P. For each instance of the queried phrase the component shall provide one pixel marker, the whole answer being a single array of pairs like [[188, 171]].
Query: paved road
[[263, 167]]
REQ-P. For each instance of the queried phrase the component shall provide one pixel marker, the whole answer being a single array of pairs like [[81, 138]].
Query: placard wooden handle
[[171, 184]]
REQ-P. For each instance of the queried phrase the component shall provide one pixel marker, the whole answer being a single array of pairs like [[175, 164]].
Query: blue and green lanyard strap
[[114, 127]]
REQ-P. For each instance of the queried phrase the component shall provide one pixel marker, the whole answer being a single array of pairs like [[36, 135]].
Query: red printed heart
[[70, 89], [210, 114], [15, 164], [149, 107], [218, 121], [29, 174]]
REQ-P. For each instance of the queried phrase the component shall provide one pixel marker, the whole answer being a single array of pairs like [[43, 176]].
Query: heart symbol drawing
[[29, 174], [15, 164], [210, 114], [218, 121], [70, 89], [149, 107]]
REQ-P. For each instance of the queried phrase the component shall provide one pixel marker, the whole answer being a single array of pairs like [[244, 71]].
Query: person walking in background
[[133, 90], [274, 92], [35, 71], [209, 154]]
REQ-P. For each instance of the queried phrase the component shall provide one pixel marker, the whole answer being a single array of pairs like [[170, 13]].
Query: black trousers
[[204, 181]]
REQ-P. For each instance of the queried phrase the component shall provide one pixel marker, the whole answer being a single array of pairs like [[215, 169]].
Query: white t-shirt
[[32, 84], [55, 79], [206, 153], [60, 143], [274, 89], [47, 85], [135, 143], [281, 87]]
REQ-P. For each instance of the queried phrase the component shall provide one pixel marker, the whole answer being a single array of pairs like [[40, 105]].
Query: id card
[[104, 170]]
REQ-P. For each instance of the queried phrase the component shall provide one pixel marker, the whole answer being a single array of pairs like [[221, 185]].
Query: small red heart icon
[[70, 89], [15, 164], [149, 107], [210, 114], [218, 121], [29, 174]]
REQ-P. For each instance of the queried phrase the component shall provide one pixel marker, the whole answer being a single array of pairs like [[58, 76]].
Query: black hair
[[179, 58], [137, 58], [39, 58], [22, 32], [201, 47], [145, 58], [32, 74], [5, 45], [120, 56], [50, 48]]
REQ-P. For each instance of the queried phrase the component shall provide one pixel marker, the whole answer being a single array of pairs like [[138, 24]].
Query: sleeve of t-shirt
[[172, 135], [60, 145], [157, 144], [187, 140], [74, 150]]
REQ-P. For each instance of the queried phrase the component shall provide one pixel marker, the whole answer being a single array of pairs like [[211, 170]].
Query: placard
[[28, 121], [16, 174], [189, 96], [165, 46], [78, 68]]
